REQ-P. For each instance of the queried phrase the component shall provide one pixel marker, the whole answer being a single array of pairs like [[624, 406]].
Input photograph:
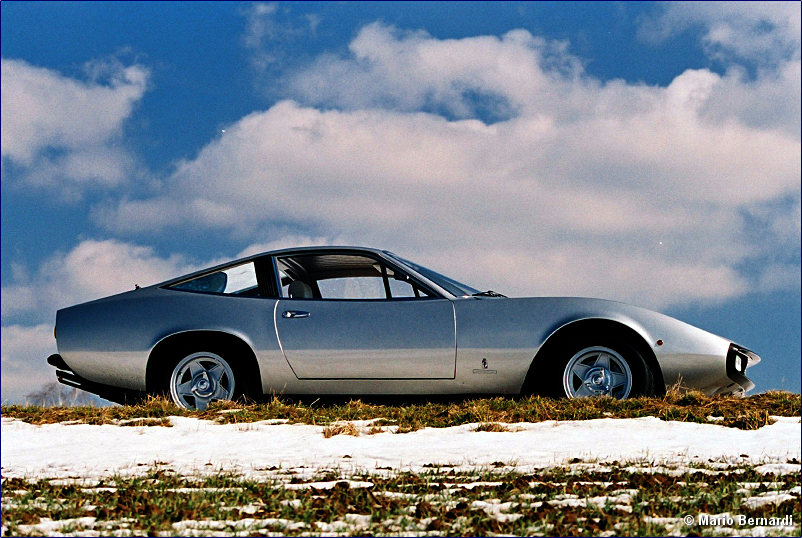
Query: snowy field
[[605, 477], [253, 449]]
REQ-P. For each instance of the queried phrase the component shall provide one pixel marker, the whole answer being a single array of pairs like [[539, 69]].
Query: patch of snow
[[249, 509], [456, 486], [358, 520], [769, 498], [49, 527], [202, 490], [746, 486], [621, 501], [194, 446], [778, 468], [498, 510], [668, 522], [274, 421], [329, 485], [786, 420], [124, 422], [191, 527], [349, 523]]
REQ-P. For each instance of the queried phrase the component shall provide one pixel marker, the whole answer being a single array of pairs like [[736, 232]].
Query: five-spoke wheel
[[597, 371], [201, 378]]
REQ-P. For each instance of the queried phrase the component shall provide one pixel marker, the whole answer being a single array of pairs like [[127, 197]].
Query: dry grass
[[745, 413], [491, 427], [345, 428]]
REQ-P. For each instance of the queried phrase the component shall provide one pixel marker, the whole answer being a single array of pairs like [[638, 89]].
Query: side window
[[359, 287], [401, 289], [343, 276], [238, 280]]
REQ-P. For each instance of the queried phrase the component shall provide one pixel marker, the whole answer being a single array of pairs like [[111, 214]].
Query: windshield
[[449, 284]]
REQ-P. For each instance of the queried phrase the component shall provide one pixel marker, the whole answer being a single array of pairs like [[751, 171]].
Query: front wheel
[[201, 378], [596, 366], [597, 371]]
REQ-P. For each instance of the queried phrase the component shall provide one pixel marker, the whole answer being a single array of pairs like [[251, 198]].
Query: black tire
[[595, 366]]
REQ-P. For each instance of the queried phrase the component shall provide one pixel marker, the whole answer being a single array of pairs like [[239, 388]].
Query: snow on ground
[[194, 446]]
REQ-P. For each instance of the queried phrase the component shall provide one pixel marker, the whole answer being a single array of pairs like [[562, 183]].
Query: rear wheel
[[201, 378]]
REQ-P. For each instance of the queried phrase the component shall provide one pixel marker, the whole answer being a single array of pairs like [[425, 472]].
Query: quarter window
[[238, 280]]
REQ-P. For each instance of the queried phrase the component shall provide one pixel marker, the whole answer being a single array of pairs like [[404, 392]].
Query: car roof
[[278, 252]]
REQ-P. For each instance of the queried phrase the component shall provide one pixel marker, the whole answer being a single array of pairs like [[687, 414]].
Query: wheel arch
[[568, 332], [236, 350]]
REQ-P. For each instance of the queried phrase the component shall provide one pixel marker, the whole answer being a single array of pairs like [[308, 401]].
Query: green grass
[[564, 501], [745, 413]]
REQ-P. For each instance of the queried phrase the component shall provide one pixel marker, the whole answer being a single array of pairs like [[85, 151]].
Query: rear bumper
[[66, 376]]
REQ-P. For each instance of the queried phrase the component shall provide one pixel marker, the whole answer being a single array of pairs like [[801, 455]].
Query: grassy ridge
[[751, 412], [580, 499], [619, 501]]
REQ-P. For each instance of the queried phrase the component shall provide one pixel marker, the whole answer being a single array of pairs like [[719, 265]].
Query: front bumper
[[738, 359]]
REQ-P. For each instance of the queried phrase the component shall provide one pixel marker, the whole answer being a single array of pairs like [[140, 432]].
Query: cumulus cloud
[[759, 45], [269, 28], [23, 357], [59, 131], [621, 190], [410, 71], [92, 269], [513, 191], [763, 32], [286, 241]]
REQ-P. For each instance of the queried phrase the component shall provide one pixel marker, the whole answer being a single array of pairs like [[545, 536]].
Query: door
[[351, 315], [368, 339]]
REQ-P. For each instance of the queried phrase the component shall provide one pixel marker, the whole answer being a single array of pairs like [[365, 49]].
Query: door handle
[[292, 314]]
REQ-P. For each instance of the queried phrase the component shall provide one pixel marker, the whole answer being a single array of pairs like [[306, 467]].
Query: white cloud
[[612, 189], [268, 29], [769, 101], [64, 132], [389, 68], [515, 190], [23, 355], [764, 35], [287, 241], [91, 270], [260, 24], [765, 32]]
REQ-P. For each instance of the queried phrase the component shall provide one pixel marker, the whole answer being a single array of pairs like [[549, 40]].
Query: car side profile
[[362, 321]]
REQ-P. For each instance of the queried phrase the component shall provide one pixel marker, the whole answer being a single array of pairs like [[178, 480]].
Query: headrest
[[299, 289]]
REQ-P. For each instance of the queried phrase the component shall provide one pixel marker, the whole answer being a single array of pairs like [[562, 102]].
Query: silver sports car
[[361, 321]]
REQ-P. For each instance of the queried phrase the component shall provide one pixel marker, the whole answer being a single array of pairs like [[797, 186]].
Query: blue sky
[[644, 152]]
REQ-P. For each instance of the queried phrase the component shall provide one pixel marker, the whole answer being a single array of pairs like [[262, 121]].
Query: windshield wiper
[[488, 293]]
